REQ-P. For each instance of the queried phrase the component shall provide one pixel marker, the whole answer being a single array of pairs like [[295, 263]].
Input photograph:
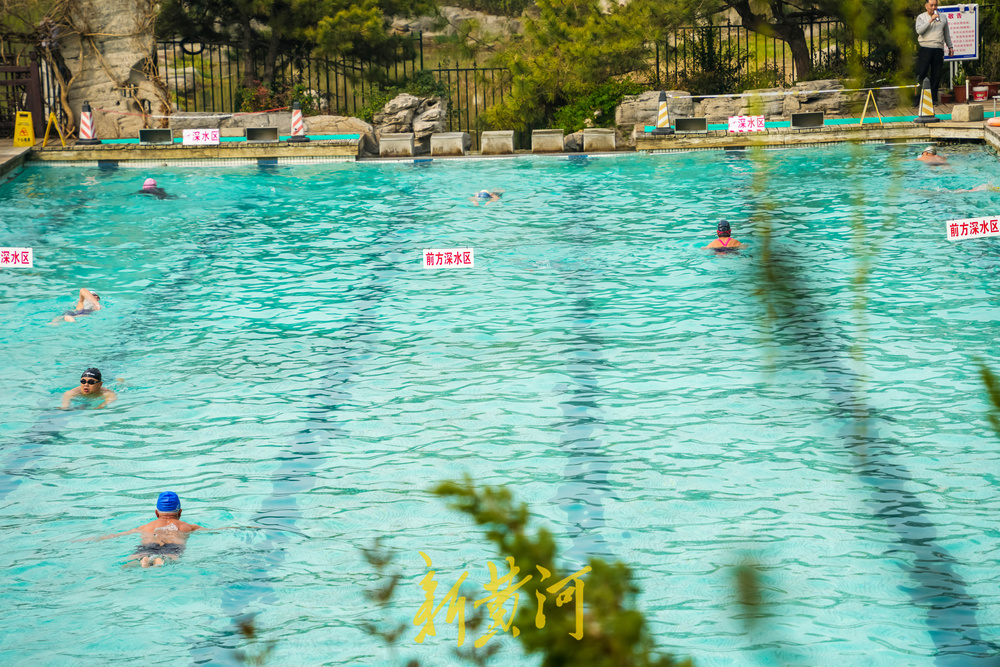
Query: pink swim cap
[[150, 183]]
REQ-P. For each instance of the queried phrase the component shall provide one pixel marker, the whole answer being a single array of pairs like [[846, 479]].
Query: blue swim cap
[[483, 194], [168, 502]]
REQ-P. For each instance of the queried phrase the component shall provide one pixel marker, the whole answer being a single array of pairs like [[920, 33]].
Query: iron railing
[[209, 77], [26, 85], [826, 38]]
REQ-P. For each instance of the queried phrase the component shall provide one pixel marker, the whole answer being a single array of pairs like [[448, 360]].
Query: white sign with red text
[[19, 258], [973, 228], [201, 137], [746, 123], [448, 257], [963, 26]]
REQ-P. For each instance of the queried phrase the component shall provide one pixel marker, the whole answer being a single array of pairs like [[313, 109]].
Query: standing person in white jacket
[[932, 35]]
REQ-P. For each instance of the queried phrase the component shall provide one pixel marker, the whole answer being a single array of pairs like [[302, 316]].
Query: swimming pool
[[287, 365]]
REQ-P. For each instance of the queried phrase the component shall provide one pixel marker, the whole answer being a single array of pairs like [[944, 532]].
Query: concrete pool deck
[[327, 149]]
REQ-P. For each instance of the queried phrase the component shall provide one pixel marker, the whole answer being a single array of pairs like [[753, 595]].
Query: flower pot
[[960, 94], [994, 87], [947, 98], [975, 80]]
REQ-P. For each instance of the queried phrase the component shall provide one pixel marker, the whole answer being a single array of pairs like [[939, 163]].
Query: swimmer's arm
[[87, 295], [68, 396], [109, 398], [108, 537]]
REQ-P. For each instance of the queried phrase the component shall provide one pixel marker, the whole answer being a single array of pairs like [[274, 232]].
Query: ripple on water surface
[[285, 365]]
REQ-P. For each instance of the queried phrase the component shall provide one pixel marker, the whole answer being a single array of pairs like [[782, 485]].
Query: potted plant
[[959, 90]]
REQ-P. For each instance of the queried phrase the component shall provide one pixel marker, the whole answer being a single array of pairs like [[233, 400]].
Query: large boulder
[[573, 143], [644, 107], [457, 20], [279, 119], [344, 125], [408, 113], [397, 115], [804, 98]]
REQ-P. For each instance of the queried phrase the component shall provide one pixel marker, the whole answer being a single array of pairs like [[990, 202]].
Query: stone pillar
[[498, 142], [547, 141]]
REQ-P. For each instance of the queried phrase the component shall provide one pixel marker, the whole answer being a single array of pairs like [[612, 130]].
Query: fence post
[[34, 94], [657, 64]]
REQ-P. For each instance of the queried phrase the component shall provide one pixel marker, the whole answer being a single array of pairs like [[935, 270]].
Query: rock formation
[[407, 113], [455, 20], [640, 110], [108, 48]]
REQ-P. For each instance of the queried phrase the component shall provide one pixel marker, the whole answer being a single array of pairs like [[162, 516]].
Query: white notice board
[[963, 24]]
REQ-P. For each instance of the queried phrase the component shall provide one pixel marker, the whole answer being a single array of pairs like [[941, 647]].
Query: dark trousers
[[933, 60]]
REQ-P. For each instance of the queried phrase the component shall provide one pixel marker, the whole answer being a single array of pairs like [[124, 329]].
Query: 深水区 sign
[[201, 137], [746, 123], [20, 258]]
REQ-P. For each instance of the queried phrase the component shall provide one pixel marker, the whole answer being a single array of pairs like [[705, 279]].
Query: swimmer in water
[[149, 187], [486, 196], [91, 387], [163, 539], [725, 241], [930, 157], [89, 302]]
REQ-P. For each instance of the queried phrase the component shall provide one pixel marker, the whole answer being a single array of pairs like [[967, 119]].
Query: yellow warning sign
[[53, 122], [24, 131]]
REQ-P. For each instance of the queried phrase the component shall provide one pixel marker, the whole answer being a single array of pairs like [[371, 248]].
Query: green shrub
[[716, 65], [597, 108], [768, 76], [261, 97]]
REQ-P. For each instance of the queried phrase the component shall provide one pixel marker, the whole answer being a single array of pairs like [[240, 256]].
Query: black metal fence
[[212, 77], [208, 77], [26, 85], [676, 54]]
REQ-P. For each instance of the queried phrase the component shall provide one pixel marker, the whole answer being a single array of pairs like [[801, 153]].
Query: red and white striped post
[[298, 129], [87, 137]]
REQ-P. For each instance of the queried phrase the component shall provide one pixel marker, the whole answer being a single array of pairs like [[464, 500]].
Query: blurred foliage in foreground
[[615, 633]]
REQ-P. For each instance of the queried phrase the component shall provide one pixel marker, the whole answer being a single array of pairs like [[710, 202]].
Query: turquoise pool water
[[287, 366]]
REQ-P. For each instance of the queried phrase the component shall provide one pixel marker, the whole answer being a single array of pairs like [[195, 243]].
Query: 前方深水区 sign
[[437, 257], [972, 228], [17, 257]]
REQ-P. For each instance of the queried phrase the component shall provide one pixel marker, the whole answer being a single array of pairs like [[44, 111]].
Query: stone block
[[547, 141], [598, 140], [450, 143], [498, 142], [965, 113], [396, 145]]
